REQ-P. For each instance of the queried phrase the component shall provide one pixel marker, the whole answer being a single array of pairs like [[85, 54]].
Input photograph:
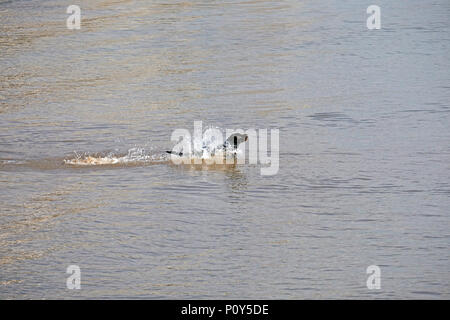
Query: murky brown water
[[364, 149]]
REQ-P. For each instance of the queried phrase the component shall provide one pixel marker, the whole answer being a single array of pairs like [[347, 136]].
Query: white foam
[[135, 155]]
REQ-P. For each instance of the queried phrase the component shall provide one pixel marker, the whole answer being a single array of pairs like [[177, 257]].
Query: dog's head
[[235, 140]]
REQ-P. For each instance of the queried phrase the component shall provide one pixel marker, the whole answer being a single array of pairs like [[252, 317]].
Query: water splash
[[134, 155], [209, 146]]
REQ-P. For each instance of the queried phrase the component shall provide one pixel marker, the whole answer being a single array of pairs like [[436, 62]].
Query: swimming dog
[[230, 145]]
